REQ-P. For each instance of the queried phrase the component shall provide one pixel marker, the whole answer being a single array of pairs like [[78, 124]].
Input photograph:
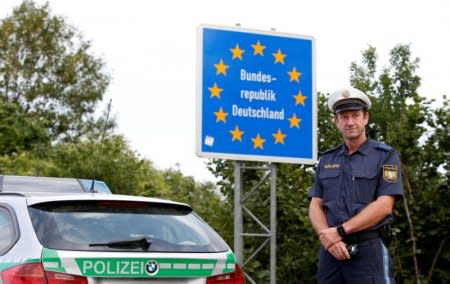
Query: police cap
[[348, 99]]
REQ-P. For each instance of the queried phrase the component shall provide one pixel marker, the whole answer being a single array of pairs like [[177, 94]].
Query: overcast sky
[[150, 51]]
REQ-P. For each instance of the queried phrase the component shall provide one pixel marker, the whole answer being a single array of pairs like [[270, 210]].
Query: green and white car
[[53, 232]]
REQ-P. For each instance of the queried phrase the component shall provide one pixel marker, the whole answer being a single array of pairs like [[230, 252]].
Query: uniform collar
[[342, 150], [363, 149]]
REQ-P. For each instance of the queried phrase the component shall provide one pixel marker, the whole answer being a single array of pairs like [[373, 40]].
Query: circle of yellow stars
[[237, 53]]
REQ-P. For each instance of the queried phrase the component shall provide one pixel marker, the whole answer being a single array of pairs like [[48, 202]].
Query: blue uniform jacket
[[347, 184]]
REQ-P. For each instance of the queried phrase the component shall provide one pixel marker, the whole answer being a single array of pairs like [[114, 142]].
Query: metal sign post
[[239, 209], [238, 220]]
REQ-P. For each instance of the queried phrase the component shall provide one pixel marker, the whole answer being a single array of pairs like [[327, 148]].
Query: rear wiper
[[143, 242]]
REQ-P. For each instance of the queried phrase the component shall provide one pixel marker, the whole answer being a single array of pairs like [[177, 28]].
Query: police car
[[56, 231]]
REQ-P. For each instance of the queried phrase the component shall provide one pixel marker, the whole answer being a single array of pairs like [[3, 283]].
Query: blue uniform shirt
[[348, 183]]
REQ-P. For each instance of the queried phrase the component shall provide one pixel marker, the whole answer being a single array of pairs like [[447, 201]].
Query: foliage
[[48, 73], [406, 120], [18, 131]]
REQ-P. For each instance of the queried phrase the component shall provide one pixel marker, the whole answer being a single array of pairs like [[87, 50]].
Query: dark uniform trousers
[[372, 264]]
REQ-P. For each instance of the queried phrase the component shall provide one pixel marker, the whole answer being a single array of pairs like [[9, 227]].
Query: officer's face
[[352, 123]]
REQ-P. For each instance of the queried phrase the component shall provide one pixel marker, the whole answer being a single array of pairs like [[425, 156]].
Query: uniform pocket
[[330, 182], [364, 185]]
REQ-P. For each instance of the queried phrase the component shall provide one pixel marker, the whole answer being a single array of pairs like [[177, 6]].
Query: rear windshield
[[122, 226]]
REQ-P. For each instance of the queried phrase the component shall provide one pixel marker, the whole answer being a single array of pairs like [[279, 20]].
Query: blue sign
[[255, 96]]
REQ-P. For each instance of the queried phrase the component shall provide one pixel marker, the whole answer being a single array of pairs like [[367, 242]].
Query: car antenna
[[101, 144]]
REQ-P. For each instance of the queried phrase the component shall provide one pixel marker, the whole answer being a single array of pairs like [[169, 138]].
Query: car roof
[[28, 184], [47, 189]]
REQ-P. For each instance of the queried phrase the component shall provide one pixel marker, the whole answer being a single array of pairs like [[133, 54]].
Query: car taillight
[[30, 273], [236, 277], [33, 273]]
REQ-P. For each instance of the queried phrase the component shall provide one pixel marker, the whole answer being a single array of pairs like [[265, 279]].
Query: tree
[[48, 73], [405, 120], [19, 132]]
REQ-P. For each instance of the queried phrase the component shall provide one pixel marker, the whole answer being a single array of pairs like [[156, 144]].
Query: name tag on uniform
[[332, 166], [390, 173]]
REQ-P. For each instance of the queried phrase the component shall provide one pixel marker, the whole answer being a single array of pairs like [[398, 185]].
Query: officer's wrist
[[341, 231]]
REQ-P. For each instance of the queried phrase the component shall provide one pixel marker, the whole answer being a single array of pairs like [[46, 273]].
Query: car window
[[8, 234], [92, 225]]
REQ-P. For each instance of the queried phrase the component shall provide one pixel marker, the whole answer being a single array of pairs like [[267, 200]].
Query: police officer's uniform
[[347, 184]]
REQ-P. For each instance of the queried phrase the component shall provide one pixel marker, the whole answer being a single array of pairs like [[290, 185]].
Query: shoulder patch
[[331, 150], [390, 173], [384, 147]]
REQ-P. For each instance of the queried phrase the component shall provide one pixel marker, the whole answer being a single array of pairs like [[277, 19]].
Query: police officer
[[353, 196]]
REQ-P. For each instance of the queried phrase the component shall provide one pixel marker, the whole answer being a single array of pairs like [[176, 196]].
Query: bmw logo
[[151, 267]]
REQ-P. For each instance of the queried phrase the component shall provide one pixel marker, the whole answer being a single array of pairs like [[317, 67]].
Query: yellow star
[[258, 48], [221, 115], [279, 137], [300, 99], [237, 52], [279, 57], [215, 91], [295, 121], [294, 75], [237, 134], [258, 142], [221, 68]]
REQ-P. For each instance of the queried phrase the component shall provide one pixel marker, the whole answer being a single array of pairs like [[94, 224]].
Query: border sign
[[256, 96]]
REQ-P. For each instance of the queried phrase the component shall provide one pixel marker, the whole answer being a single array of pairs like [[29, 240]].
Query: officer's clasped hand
[[329, 237], [339, 251]]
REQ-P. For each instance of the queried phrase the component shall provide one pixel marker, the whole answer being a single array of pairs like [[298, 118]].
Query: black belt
[[361, 236]]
